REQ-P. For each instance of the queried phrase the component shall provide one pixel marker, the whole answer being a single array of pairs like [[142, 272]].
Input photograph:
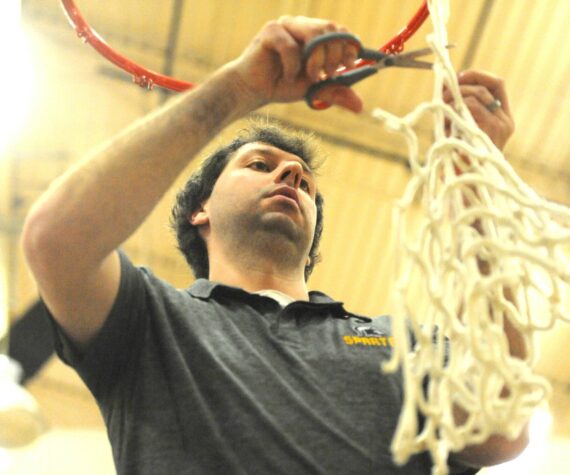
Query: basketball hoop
[[148, 79], [142, 76]]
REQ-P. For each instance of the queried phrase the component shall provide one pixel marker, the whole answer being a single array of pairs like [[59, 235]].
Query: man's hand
[[479, 90], [271, 67]]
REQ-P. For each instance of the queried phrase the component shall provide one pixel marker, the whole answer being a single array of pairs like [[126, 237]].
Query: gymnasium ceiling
[[524, 41]]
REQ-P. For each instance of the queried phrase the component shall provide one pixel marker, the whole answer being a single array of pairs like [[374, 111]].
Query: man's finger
[[334, 56], [342, 96], [315, 65], [350, 54], [494, 84], [480, 92], [304, 29], [325, 58], [289, 52]]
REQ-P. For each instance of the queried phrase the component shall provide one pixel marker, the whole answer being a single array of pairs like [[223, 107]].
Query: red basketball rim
[[146, 78]]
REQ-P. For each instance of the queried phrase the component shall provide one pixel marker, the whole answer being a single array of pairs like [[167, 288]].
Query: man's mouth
[[287, 192]]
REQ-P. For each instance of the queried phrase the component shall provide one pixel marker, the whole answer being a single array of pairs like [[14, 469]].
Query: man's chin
[[279, 224]]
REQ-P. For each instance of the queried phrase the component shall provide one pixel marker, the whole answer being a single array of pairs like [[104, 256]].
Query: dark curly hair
[[199, 188]]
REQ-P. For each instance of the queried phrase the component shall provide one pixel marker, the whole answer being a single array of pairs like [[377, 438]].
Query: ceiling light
[[16, 79]]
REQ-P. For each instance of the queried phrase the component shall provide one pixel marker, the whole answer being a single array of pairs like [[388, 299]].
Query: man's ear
[[199, 217]]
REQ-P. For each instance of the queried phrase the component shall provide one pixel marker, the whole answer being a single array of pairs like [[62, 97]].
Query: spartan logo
[[367, 329]]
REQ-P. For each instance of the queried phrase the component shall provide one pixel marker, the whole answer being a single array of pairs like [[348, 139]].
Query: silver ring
[[493, 106]]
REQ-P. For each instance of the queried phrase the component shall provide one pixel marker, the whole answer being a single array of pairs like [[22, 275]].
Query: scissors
[[375, 60]]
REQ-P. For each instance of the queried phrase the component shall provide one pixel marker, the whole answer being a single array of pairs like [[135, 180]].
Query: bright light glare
[[532, 457], [16, 75], [4, 461]]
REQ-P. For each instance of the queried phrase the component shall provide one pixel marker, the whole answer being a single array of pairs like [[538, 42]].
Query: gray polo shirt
[[213, 380]]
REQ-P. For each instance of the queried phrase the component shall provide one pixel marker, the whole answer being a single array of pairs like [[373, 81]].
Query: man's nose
[[291, 173]]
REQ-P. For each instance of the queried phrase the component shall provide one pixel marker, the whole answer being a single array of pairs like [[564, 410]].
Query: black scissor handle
[[346, 79], [327, 37], [363, 53]]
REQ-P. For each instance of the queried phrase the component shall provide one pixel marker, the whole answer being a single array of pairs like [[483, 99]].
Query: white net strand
[[483, 233]]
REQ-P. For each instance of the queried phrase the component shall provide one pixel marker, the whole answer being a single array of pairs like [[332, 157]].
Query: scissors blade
[[407, 60], [404, 60], [406, 63]]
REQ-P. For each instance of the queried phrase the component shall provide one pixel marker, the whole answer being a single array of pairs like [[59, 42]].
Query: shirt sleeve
[[461, 470], [116, 345]]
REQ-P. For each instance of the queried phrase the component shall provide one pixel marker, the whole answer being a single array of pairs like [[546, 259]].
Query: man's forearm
[[94, 207]]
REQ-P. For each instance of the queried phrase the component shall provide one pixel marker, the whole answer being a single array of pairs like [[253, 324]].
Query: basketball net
[[473, 208]]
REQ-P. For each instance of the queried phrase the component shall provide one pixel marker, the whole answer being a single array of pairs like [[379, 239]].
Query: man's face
[[264, 192]]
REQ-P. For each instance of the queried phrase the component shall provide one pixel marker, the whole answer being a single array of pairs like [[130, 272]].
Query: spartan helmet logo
[[366, 329]]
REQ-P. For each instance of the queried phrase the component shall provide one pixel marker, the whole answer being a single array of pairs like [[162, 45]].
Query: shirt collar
[[205, 289]]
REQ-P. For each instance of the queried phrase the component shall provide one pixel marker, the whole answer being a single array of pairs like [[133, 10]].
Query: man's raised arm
[[72, 232]]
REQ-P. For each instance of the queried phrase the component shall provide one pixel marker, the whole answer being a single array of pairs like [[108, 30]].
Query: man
[[245, 372]]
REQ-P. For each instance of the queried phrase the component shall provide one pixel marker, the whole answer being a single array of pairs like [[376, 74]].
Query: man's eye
[[261, 166]]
